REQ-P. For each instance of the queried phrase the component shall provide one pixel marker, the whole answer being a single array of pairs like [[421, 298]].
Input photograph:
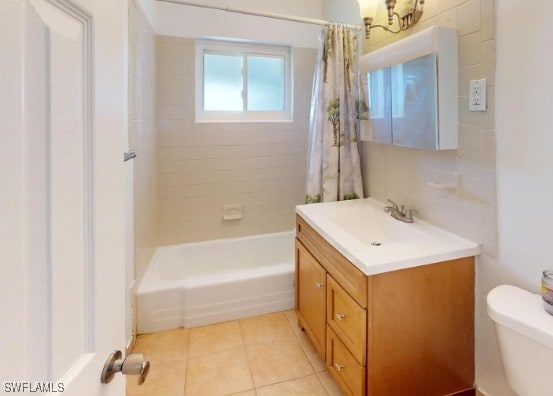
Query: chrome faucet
[[404, 214]]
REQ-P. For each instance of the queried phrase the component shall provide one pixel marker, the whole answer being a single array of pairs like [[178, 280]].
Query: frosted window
[[223, 82], [242, 81], [265, 83]]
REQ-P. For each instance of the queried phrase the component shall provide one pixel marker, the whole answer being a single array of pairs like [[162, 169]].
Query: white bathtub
[[201, 283]]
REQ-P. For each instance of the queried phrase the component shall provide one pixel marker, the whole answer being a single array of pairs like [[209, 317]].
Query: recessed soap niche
[[232, 212], [411, 88]]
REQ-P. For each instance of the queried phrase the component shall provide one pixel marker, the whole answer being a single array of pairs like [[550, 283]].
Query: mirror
[[403, 103]]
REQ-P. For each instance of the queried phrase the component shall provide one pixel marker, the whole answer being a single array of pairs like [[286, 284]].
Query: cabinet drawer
[[343, 366], [347, 319]]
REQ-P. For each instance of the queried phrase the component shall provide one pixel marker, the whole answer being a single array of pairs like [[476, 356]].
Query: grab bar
[[129, 155]]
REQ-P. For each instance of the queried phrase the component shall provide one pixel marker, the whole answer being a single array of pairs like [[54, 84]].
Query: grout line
[[187, 360], [246, 352], [293, 379]]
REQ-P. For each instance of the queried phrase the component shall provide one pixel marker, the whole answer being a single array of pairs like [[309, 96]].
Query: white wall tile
[[391, 172], [469, 17], [259, 165], [470, 49], [487, 51]]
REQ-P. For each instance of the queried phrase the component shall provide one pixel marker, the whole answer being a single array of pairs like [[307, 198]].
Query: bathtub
[[200, 283]]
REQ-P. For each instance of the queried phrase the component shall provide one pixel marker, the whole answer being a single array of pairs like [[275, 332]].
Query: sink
[[375, 242]]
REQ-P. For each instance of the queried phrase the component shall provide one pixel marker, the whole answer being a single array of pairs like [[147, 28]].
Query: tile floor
[[264, 355]]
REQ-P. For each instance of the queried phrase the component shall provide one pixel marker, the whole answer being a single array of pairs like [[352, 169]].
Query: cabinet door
[[414, 94], [380, 105], [311, 296]]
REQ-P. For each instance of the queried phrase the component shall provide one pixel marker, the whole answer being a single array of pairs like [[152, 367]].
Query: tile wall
[[142, 136], [203, 166], [402, 174]]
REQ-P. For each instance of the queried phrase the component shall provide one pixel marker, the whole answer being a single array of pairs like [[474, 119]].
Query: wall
[[186, 21], [402, 174], [524, 145], [142, 139], [343, 11], [205, 165]]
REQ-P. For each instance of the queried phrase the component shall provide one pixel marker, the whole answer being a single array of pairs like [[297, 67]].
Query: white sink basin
[[375, 242]]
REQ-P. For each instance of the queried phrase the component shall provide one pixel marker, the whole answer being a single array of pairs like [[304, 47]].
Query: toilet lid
[[521, 311]]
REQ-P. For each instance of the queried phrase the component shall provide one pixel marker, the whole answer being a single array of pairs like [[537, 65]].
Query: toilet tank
[[525, 334]]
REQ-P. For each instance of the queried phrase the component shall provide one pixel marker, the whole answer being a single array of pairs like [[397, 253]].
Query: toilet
[[525, 334]]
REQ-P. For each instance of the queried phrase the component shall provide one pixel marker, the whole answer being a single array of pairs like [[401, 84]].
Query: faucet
[[403, 214]]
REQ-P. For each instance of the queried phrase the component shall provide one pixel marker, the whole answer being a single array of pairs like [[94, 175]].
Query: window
[[238, 81]]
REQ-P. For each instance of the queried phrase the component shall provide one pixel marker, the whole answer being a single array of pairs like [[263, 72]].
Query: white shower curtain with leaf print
[[334, 167]]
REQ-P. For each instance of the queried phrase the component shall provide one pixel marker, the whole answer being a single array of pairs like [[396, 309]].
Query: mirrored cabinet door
[[380, 105], [414, 103]]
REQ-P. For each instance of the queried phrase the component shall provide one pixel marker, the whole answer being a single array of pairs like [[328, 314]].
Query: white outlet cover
[[477, 95]]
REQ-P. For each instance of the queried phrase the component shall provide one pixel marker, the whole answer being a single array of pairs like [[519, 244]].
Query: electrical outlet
[[477, 95]]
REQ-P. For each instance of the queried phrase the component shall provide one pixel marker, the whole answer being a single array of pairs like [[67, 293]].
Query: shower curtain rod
[[257, 13]]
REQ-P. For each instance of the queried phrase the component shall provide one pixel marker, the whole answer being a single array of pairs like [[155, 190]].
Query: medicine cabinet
[[411, 88]]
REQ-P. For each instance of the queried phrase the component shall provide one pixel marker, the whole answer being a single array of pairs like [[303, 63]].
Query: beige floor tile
[[308, 386], [215, 338], [166, 378], [291, 316], [218, 374], [165, 345], [314, 358], [274, 362], [331, 386], [265, 328], [245, 393], [293, 320]]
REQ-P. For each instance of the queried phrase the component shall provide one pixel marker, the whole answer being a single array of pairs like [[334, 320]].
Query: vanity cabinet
[[311, 298], [403, 332]]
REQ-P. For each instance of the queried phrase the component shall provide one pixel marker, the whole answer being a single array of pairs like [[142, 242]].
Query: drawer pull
[[319, 284], [340, 316], [339, 367]]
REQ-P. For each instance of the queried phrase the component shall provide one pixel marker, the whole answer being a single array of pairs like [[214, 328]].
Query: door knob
[[319, 284], [132, 365]]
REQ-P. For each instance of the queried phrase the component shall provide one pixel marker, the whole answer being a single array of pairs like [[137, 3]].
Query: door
[[311, 304], [63, 110]]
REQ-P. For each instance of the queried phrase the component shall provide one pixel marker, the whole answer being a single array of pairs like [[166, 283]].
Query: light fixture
[[408, 13]]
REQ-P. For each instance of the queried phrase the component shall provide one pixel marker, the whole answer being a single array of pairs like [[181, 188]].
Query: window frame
[[245, 49]]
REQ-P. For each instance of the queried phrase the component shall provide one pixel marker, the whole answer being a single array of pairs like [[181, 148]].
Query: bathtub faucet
[[404, 214]]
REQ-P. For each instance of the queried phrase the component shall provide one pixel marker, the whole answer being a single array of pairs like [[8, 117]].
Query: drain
[[376, 244]]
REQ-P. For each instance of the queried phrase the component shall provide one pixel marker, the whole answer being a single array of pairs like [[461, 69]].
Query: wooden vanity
[[405, 332]]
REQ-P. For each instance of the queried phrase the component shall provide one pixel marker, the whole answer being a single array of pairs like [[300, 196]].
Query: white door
[[63, 110]]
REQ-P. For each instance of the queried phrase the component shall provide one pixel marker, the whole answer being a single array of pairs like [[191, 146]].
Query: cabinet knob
[[339, 367], [340, 316], [319, 284]]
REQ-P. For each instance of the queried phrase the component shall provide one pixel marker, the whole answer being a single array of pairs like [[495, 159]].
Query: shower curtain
[[334, 167]]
